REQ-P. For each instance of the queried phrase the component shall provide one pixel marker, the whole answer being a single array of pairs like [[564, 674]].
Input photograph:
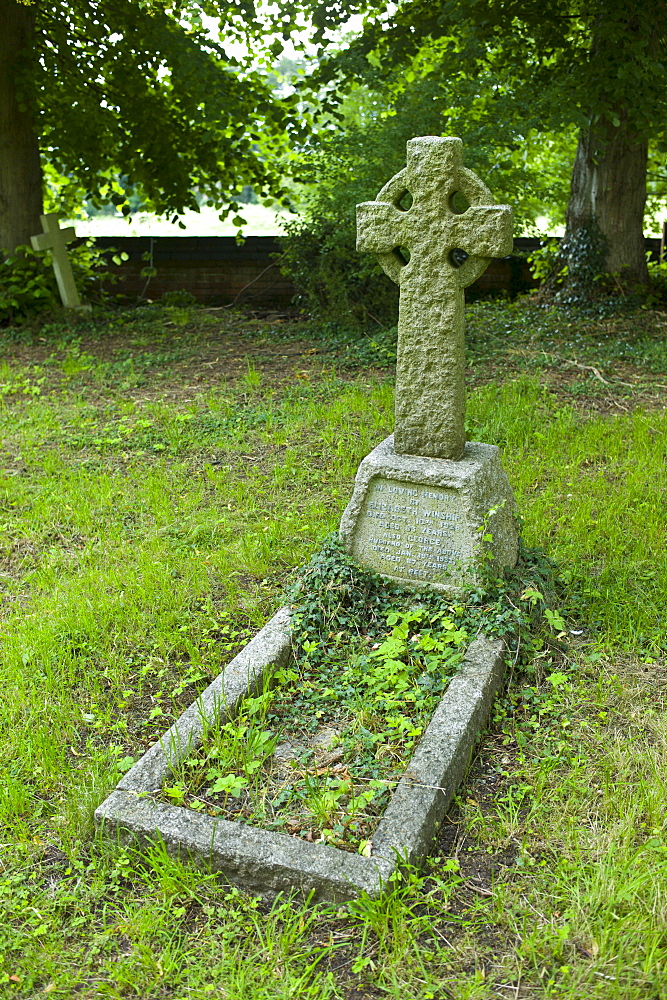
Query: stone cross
[[448, 246], [56, 239]]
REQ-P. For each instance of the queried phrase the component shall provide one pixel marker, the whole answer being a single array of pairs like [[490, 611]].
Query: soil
[[213, 347]]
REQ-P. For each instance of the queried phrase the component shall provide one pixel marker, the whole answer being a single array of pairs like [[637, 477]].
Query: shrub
[[332, 279], [28, 285]]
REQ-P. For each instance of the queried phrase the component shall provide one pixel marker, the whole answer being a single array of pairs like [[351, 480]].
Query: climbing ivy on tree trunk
[[609, 191]]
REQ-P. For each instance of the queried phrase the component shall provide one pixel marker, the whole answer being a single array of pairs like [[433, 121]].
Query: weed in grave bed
[[235, 752], [320, 753]]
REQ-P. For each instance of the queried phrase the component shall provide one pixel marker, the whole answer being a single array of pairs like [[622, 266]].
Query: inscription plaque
[[412, 531]]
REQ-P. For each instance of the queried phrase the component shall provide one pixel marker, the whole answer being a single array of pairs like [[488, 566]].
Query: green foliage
[[333, 802], [139, 101], [371, 662], [410, 639], [656, 187], [28, 285], [178, 298], [330, 278], [408, 643], [657, 273], [522, 72], [376, 347], [582, 261], [573, 272], [349, 162], [575, 276], [131, 576], [234, 754], [565, 66], [544, 261]]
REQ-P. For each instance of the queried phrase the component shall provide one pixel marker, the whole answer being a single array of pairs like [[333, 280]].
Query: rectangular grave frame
[[267, 862]]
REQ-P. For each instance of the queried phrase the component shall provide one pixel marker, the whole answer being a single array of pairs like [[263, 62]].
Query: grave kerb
[[266, 862]]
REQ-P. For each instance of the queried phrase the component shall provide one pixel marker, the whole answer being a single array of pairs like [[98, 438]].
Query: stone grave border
[[268, 862]]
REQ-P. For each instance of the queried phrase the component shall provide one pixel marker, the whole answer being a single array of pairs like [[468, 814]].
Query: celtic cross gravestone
[[425, 502], [450, 230], [422, 513], [56, 239]]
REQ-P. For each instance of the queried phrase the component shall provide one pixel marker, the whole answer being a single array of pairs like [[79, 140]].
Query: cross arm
[[379, 227], [44, 241], [485, 231]]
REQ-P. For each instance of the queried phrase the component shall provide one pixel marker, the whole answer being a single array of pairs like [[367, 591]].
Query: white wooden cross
[[448, 247], [56, 239]]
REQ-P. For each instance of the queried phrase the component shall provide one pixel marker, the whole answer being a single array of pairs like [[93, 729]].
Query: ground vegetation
[[165, 471]]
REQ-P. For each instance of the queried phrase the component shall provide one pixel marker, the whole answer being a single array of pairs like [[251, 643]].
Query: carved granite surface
[[421, 520], [430, 387]]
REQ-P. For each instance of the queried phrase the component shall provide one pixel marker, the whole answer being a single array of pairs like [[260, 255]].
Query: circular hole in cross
[[402, 255], [404, 203], [458, 203], [457, 257]]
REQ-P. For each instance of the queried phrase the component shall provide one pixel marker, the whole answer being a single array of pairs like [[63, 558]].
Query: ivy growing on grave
[[318, 755]]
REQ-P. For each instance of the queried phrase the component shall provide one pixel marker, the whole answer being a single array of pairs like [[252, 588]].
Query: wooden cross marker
[[448, 247], [56, 239]]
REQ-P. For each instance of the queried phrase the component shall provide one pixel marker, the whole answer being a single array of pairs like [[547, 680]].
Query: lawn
[[165, 472]]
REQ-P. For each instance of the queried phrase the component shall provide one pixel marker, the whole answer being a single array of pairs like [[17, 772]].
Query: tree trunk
[[20, 170], [608, 192]]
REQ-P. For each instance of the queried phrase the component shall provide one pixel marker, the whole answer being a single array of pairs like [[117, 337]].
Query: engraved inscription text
[[412, 531]]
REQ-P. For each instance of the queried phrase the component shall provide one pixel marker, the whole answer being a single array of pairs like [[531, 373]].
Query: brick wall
[[217, 271]]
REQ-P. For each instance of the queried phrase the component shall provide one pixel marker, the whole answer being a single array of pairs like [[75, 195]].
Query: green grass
[[152, 512], [593, 493]]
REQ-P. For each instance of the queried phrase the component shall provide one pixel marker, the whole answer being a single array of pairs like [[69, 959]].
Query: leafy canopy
[[565, 63], [142, 90], [349, 158]]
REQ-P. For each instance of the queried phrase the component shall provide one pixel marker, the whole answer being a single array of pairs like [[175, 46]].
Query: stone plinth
[[420, 521]]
